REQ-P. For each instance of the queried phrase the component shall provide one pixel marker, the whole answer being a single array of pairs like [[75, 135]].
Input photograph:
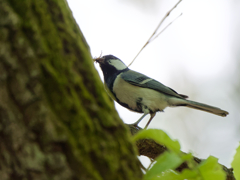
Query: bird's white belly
[[130, 94]]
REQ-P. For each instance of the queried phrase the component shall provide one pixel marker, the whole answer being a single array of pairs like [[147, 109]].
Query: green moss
[[96, 141]]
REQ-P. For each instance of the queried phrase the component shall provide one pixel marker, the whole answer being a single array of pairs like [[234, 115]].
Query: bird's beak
[[99, 60]]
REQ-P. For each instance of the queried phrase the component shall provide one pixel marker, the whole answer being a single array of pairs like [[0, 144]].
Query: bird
[[142, 94]]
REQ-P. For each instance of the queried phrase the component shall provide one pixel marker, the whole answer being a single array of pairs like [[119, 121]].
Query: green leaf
[[236, 164], [187, 157], [189, 174], [210, 169], [167, 175], [185, 175], [166, 161], [160, 137]]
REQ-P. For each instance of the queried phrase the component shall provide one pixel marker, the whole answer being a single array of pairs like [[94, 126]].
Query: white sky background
[[194, 56]]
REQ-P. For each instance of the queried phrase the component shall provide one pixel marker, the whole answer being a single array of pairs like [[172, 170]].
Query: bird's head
[[110, 65]]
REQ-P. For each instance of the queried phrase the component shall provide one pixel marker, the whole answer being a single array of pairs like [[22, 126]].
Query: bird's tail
[[205, 107]]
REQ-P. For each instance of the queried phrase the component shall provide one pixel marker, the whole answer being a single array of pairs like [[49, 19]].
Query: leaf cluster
[[164, 166]]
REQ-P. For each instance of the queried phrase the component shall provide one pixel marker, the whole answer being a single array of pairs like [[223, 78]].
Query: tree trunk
[[56, 121]]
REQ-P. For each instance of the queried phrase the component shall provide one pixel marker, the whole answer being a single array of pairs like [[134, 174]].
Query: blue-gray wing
[[138, 79]]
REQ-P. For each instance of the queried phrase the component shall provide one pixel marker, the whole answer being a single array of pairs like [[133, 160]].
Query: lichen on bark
[[56, 121]]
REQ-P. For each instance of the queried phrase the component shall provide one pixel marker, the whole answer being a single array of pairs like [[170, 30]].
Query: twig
[[150, 165], [165, 28], [142, 166], [159, 25]]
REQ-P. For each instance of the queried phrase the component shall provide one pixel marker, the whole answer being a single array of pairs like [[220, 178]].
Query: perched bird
[[142, 94]]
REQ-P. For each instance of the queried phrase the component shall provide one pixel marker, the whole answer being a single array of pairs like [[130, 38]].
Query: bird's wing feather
[[141, 80]]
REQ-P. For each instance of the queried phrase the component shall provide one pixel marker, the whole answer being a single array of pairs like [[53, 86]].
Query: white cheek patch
[[119, 65]]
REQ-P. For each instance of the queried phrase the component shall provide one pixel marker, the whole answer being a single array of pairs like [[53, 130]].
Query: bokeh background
[[198, 55]]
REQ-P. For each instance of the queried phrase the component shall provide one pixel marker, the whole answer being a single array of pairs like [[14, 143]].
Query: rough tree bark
[[56, 121]]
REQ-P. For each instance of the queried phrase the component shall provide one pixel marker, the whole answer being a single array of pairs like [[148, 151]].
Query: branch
[[159, 25], [151, 149], [165, 28]]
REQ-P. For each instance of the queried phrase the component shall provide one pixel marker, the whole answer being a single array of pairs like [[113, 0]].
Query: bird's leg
[[145, 111], [152, 116], [138, 121]]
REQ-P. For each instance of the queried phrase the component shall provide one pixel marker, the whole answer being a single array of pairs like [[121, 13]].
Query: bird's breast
[[136, 97]]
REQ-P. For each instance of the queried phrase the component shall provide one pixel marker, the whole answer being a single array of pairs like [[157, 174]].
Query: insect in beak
[[99, 59]]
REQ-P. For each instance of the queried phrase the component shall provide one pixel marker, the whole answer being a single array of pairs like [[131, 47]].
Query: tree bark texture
[[56, 121]]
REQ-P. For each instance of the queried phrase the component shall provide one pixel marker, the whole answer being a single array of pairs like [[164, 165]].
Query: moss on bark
[[56, 121]]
